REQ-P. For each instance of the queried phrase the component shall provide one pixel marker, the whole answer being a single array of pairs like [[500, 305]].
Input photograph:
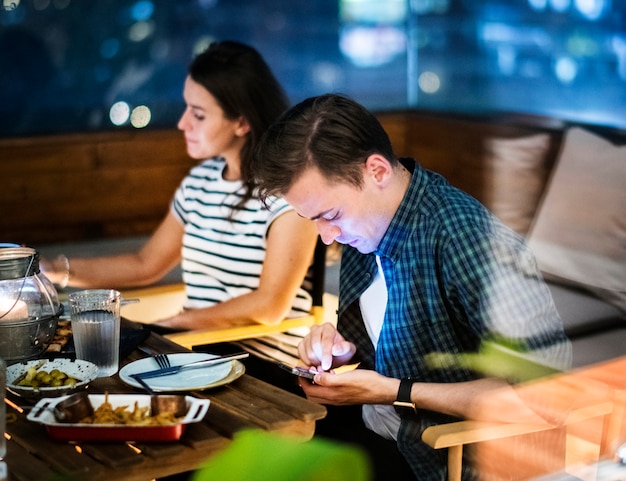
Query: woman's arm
[[159, 255], [290, 245]]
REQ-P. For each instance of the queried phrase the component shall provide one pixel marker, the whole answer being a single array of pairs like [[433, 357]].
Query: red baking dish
[[43, 412]]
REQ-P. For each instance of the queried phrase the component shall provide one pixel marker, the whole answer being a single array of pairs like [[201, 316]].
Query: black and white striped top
[[223, 249]]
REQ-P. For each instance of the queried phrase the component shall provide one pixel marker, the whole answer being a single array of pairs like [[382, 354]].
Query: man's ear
[[243, 126], [378, 169]]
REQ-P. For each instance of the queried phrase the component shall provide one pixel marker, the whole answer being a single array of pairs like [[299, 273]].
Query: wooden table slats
[[61, 456], [113, 455], [155, 450], [202, 436], [26, 467], [246, 403], [226, 421], [258, 411], [281, 398]]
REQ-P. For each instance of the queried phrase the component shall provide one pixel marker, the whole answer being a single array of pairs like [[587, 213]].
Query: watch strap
[[403, 399]]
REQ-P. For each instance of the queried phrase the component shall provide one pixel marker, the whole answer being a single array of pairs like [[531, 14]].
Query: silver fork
[[162, 360]]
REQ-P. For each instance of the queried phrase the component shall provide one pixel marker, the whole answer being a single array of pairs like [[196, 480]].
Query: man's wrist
[[403, 398]]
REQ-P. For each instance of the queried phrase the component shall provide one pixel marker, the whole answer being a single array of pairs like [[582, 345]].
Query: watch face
[[404, 408]]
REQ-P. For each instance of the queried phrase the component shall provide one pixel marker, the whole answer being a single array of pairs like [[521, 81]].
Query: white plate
[[188, 380], [82, 370]]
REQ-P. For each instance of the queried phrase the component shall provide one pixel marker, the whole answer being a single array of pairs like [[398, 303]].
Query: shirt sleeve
[[496, 286], [277, 207]]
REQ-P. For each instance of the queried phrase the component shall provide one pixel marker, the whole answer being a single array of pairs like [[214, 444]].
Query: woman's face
[[208, 133]]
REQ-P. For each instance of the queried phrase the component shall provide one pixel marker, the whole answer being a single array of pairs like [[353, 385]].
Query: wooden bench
[[93, 186]]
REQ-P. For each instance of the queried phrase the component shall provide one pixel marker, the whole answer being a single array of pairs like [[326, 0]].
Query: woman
[[241, 261]]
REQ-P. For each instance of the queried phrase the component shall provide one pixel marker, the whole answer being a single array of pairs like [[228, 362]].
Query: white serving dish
[[43, 412], [84, 371]]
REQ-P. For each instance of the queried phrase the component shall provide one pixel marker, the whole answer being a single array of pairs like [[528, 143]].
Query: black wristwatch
[[403, 399]]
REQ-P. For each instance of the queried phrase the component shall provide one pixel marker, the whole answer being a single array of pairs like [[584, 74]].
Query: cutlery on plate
[[192, 365], [162, 360], [144, 384]]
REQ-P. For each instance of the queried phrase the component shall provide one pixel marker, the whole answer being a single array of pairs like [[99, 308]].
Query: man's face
[[342, 212]]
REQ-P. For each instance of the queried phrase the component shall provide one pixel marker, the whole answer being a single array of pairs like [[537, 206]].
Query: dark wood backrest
[[79, 187], [454, 146], [88, 186]]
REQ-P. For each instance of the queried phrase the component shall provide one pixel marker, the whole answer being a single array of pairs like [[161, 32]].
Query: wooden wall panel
[[79, 187], [90, 186], [454, 146]]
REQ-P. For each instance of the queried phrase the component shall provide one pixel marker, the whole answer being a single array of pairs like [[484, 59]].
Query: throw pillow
[[516, 174], [579, 234]]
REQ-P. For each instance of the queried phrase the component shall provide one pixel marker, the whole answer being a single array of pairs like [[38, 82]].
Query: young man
[[425, 269]]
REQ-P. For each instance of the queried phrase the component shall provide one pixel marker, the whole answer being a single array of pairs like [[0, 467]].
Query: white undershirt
[[382, 419]]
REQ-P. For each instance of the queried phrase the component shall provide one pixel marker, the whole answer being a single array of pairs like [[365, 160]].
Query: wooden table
[[245, 403]]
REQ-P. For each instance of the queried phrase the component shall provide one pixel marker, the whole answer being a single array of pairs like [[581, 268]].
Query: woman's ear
[[243, 127]]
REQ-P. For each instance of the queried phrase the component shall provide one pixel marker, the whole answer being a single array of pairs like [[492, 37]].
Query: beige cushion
[[579, 234], [515, 177]]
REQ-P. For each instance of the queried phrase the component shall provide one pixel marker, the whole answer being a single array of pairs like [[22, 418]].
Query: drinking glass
[[95, 315]]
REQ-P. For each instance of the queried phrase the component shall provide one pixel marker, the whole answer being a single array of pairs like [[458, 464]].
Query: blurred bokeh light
[[67, 65]]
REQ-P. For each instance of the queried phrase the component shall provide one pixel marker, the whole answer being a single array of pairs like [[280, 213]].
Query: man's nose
[[328, 232]]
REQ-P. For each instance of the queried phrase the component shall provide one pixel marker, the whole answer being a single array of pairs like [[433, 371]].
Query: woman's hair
[[331, 132], [244, 86]]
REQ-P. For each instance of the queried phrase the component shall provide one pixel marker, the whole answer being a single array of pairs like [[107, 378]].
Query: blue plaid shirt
[[455, 276]]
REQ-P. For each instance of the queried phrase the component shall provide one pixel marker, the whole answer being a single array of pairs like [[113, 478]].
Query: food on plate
[[22, 377], [139, 416], [36, 379]]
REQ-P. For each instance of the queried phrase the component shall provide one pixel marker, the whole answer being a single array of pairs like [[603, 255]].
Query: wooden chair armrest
[[456, 435], [199, 337], [467, 432], [156, 302], [156, 290], [317, 312]]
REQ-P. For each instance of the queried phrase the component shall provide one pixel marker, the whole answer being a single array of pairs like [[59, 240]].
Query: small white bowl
[[83, 371]]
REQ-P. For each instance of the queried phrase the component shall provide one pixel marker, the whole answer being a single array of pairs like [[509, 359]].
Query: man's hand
[[359, 386], [324, 348]]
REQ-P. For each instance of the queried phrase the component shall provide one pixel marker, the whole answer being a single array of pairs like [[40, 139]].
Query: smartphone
[[298, 371]]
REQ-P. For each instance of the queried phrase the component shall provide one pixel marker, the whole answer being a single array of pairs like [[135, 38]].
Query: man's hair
[[331, 132]]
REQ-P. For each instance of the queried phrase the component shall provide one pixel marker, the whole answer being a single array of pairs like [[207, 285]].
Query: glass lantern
[[29, 305]]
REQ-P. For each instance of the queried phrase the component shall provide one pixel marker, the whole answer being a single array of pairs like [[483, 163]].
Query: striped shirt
[[224, 248], [455, 275]]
